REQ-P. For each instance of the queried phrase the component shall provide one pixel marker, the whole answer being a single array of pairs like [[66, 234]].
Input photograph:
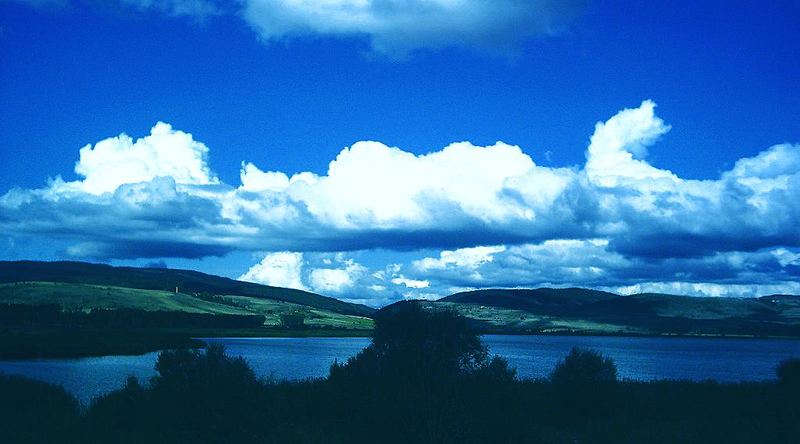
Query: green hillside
[[85, 297], [582, 311], [186, 281]]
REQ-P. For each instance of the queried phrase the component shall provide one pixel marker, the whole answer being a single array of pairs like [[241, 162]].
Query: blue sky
[[702, 203]]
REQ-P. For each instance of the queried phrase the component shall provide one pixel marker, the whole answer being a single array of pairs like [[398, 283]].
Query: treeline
[[18, 315], [425, 378]]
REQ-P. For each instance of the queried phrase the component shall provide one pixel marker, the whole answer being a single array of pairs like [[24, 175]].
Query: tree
[[582, 366], [292, 320], [788, 373], [420, 344]]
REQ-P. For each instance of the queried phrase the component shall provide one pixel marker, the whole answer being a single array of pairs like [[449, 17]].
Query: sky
[[380, 150]]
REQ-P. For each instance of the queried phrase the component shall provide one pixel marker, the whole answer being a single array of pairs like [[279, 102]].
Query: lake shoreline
[[25, 344], [61, 343], [296, 359]]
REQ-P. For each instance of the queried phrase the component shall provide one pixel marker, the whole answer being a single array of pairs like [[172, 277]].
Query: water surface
[[725, 360]]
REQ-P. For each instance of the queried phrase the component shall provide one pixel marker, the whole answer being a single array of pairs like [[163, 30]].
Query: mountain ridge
[[167, 279], [585, 311]]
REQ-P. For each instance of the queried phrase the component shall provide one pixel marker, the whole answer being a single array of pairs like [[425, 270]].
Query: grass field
[[187, 281], [505, 320], [582, 311], [84, 297]]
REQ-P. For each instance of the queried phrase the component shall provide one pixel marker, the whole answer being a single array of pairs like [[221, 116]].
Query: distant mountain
[[552, 301], [583, 311], [162, 279]]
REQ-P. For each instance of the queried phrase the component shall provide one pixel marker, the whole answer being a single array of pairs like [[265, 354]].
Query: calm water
[[726, 360]]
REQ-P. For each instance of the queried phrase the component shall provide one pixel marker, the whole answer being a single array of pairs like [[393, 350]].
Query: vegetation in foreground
[[425, 378]]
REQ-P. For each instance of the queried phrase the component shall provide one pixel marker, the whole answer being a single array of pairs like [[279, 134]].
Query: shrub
[[35, 411], [197, 397], [583, 366], [416, 344], [788, 373]]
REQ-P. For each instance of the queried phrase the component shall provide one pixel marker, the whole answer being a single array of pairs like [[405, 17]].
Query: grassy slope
[[505, 320], [166, 280], [588, 311], [85, 297]]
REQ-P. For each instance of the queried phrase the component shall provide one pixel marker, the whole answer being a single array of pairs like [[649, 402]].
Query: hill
[[186, 281], [583, 311], [87, 297]]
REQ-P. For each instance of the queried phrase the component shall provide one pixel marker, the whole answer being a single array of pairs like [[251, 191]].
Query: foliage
[[788, 373], [196, 397], [33, 411], [583, 366], [64, 305], [68, 343], [454, 394], [292, 320], [416, 345]]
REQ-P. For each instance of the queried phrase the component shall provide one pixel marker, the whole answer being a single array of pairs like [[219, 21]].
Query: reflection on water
[[727, 360]]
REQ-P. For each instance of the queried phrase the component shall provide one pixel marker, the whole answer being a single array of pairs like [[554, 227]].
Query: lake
[[725, 360]]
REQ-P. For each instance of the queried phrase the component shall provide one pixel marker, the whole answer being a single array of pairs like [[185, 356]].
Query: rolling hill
[[86, 297], [167, 280], [582, 311]]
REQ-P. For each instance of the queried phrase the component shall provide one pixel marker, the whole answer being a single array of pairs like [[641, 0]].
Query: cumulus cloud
[[396, 27], [463, 258], [490, 214], [338, 279], [590, 263], [121, 160], [281, 269], [326, 273], [411, 283], [710, 289]]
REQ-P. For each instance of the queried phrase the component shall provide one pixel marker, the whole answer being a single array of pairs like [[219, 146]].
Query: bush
[[197, 397], [35, 411], [584, 366], [415, 344], [788, 373]]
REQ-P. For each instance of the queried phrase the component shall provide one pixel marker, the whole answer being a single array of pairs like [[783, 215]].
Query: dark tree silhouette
[[413, 343], [788, 373], [583, 366]]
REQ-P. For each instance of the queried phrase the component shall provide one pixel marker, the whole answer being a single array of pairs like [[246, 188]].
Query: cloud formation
[[198, 9], [393, 28], [119, 160], [491, 214], [280, 269], [397, 27]]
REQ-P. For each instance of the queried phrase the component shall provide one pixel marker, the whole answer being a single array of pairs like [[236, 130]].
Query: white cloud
[[617, 147], [121, 160], [330, 280], [336, 280], [411, 283], [396, 27], [710, 289], [463, 258], [372, 184], [786, 257], [488, 215], [281, 269]]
